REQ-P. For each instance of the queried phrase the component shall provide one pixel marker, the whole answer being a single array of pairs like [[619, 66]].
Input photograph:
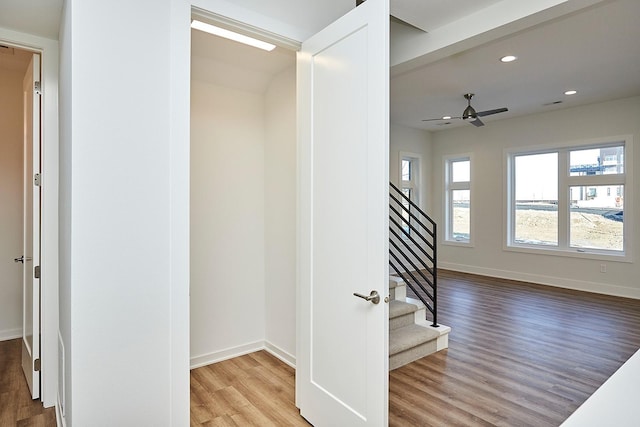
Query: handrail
[[412, 248]]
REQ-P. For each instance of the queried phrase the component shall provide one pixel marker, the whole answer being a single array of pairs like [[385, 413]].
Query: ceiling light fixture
[[446, 118], [221, 32], [571, 92], [508, 58]]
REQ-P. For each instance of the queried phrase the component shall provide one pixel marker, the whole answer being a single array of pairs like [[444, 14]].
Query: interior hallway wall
[[227, 221], [11, 167], [280, 214]]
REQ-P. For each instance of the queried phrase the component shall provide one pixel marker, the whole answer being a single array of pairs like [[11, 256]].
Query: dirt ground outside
[[541, 227]]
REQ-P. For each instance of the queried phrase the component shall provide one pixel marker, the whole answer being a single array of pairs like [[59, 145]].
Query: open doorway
[[243, 201], [20, 151]]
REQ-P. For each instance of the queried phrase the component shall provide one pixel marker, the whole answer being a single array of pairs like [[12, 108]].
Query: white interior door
[[31, 225], [343, 148]]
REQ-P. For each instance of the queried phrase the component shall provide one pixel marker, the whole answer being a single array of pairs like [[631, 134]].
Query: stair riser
[[412, 354], [400, 321]]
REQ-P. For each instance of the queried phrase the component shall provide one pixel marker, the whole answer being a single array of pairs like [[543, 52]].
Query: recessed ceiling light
[[508, 58], [446, 118], [217, 31], [571, 92]]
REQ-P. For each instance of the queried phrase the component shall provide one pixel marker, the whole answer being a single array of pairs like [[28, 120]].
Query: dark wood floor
[[17, 409], [519, 354]]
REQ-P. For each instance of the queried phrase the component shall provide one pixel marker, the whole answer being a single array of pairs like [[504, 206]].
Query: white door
[[343, 149], [31, 225]]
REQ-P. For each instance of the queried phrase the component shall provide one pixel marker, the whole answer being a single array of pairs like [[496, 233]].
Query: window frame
[[414, 182], [449, 188], [565, 182]]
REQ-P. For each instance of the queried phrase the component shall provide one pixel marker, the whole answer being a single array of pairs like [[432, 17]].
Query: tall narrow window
[[458, 199], [409, 172]]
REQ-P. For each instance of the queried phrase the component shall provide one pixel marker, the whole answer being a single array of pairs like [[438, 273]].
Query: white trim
[[241, 350], [229, 353], [540, 279], [10, 334], [48, 49], [281, 354], [447, 204]]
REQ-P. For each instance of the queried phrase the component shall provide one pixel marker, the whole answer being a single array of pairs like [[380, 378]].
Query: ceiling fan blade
[[490, 112], [440, 118], [477, 122]]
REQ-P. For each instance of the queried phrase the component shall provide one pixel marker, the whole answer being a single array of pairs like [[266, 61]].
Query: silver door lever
[[372, 297], [22, 259]]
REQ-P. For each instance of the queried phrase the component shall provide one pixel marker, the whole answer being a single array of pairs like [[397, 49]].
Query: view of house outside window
[[569, 199]]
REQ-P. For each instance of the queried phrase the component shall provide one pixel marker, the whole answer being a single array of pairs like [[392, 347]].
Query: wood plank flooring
[[519, 354], [17, 409], [252, 390]]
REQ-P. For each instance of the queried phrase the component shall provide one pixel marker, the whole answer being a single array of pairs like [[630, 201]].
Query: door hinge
[[36, 88], [37, 180], [36, 365], [36, 272]]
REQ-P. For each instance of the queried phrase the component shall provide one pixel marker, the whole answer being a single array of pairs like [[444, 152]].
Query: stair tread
[[395, 281], [399, 308], [410, 336]]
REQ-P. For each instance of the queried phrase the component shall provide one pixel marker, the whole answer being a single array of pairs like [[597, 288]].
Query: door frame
[[48, 50]]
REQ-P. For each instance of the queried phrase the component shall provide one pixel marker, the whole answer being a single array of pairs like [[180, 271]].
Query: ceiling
[[38, 17], [594, 52]]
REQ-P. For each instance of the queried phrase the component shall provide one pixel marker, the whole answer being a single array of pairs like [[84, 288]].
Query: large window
[[458, 199], [569, 199]]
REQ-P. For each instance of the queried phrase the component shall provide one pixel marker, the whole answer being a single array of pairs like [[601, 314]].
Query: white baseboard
[[558, 282], [276, 351], [229, 353], [241, 350], [10, 334]]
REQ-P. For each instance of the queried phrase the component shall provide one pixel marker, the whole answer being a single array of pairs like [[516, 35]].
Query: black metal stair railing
[[412, 249]]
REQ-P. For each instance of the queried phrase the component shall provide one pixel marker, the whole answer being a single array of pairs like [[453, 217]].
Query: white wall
[[11, 168], [487, 144], [121, 190], [243, 174], [280, 214], [227, 220]]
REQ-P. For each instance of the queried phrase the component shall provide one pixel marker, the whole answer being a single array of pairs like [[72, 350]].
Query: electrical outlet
[[603, 268]]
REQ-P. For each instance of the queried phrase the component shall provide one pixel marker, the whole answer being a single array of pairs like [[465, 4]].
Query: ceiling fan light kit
[[470, 113]]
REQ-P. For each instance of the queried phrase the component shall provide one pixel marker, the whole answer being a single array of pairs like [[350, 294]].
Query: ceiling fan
[[470, 113]]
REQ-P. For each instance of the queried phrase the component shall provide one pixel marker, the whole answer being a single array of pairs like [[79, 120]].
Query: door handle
[[22, 259], [372, 297]]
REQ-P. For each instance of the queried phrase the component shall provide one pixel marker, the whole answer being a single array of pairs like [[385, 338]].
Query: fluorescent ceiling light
[[217, 31], [508, 58], [571, 92], [446, 118]]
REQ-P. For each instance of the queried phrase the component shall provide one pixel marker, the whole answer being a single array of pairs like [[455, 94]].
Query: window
[[458, 199], [409, 175], [561, 199]]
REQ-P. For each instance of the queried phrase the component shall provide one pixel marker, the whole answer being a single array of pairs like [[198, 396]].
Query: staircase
[[412, 262], [411, 336]]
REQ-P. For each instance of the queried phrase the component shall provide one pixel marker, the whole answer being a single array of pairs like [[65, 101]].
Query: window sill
[[461, 243], [571, 253]]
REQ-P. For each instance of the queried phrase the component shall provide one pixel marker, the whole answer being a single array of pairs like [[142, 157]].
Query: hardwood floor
[[252, 390], [17, 409], [519, 354]]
